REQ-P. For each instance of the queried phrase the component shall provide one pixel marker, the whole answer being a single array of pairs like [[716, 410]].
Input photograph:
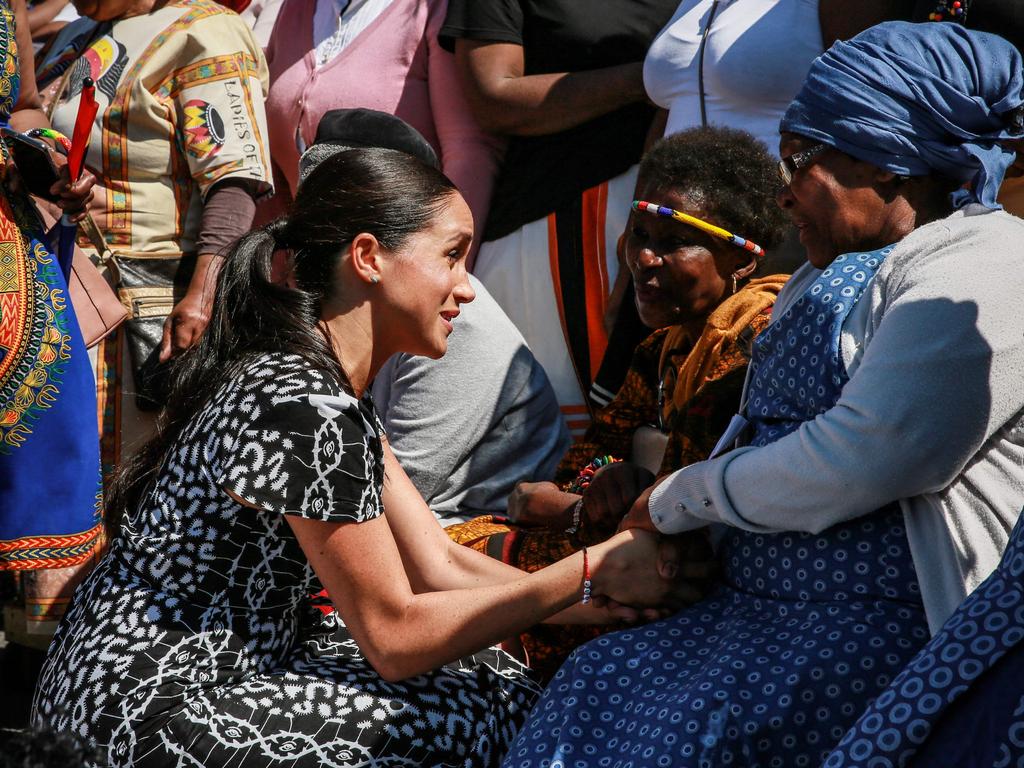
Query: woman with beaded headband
[[704, 294]]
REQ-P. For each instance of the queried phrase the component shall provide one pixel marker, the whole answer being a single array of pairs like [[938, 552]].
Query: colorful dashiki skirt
[[49, 445]]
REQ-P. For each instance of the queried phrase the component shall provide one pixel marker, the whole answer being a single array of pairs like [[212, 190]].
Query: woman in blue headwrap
[[881, 437]]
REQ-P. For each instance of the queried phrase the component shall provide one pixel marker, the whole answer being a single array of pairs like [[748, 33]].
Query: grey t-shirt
[[468, 427]]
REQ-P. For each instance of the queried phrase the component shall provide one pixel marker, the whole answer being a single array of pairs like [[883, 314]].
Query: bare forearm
[[436, 628], [541, 104], [25, 120], [28, 94], [43, 13], [465, 568], [204, 279], [470, 568], [506, 101], [404, 631]]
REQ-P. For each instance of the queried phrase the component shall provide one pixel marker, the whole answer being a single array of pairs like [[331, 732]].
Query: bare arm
[[470, 156], [414, 600], [445, 565], [432, 560], [507, 101], [43, 13], [227, 215], [28, 112], [404, 633]]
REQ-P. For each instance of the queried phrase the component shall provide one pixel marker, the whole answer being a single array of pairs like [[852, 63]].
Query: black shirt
[[541, 173]]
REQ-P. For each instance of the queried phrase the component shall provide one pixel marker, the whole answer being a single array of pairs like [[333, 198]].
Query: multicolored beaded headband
[[951, 10], [693, 221]]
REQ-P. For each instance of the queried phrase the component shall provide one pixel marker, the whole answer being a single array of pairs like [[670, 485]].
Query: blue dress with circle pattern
[[961, 700], [775, 666]]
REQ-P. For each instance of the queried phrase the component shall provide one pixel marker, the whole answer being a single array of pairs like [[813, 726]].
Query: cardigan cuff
[[674, 501], [696, 495]]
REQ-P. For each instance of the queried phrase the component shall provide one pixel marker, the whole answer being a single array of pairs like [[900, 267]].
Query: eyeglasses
[[790, 165], [693, 221]]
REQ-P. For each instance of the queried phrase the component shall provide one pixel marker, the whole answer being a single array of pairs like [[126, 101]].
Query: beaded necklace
[[951, 10]]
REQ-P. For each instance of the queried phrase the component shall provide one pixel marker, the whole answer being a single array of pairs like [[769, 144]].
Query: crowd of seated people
[[391, 383]]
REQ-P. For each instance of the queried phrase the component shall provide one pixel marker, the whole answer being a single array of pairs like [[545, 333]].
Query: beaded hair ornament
[[951, 10], [693, 221]]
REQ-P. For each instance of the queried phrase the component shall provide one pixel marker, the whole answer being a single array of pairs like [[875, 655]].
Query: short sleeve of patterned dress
[[307, 450]]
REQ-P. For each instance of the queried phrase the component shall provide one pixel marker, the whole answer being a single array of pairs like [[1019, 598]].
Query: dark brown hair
[[386, 193]]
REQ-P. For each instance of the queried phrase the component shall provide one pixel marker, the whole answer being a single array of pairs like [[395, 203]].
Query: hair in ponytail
[[386, 193]]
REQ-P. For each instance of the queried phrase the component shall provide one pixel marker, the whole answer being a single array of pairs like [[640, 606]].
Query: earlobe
[[746, 270], [365, 251]]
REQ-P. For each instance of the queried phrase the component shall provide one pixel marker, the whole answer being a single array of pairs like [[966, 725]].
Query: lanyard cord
[[700, 61]]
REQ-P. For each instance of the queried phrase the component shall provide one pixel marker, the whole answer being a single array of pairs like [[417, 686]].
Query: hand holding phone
[[34, 160]]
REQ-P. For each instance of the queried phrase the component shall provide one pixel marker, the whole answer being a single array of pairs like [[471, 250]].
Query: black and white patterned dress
[[195, 642]]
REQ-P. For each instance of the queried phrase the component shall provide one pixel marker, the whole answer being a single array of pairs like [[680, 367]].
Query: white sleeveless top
[[757, 55]]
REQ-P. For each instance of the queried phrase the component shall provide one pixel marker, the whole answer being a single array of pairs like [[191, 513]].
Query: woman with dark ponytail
[[195, 641]]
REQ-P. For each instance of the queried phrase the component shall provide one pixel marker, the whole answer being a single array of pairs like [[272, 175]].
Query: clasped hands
[[660, 574]]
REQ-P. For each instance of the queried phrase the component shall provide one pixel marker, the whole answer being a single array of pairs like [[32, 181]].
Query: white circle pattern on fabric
[[987, 626]]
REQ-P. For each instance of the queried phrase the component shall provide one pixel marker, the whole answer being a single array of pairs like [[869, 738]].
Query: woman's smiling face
[[426, 281], [679, 272]]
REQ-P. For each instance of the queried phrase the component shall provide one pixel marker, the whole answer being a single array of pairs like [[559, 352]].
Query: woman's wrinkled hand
[[541, 504], [186, 323], [609, 496], [73, 197]]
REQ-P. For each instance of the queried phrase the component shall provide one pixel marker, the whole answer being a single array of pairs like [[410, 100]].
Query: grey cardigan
[[932, 416]]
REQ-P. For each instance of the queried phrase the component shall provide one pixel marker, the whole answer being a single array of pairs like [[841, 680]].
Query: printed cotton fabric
[[959, 702]]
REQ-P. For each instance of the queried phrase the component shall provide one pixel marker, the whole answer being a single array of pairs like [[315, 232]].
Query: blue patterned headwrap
[[918, 98]]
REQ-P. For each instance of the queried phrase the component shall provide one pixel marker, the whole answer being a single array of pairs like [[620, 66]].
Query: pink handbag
[[96, 306]]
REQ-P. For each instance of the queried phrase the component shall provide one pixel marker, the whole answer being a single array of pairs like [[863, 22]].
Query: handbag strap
[[92, 231]]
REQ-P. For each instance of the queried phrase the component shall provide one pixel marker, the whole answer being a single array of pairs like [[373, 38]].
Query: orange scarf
[[724, 326]]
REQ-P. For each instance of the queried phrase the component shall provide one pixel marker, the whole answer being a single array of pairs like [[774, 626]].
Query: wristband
[[577, 515]]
